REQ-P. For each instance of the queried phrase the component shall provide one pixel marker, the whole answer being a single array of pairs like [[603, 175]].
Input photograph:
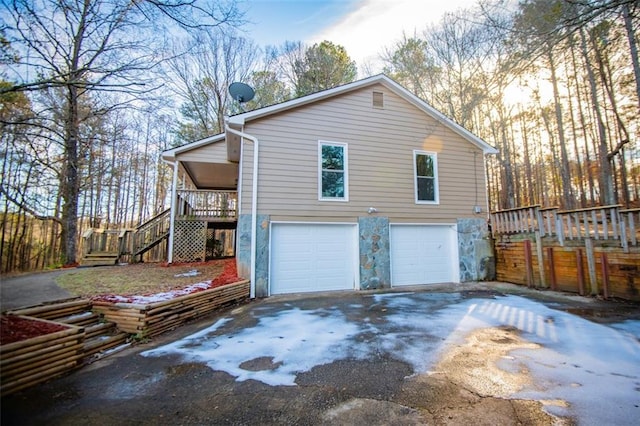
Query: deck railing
[[630, 226], [199, 204], [605, 223], [598, 223], [514, 221]]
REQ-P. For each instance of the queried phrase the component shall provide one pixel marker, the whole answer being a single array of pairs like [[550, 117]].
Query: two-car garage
[[307, 257]]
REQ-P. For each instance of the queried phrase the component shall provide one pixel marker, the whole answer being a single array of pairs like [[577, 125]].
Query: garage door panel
[[312, 257], [422, 254]]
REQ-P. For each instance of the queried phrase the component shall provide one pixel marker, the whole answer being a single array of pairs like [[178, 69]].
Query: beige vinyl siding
[[212, 153], [381, 174]]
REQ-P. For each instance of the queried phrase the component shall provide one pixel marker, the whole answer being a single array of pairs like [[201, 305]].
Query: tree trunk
[[633, 47], [607, 192], [565, 175], [70, 187]]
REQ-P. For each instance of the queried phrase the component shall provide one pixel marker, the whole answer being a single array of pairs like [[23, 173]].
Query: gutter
[[254, 202]]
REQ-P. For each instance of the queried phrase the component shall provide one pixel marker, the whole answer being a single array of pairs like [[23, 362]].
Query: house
[[361, 186]]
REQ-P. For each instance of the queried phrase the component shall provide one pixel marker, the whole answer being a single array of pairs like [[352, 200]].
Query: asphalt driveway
[[482, 354]]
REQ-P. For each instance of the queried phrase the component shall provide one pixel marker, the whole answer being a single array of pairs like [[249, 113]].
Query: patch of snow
[[79, 316], [631, 327], [298, 339], [161, 297], [191, 273], [594, 367]]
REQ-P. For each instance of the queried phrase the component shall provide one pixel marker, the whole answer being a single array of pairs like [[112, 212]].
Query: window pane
[[424, 165], [426, 189], [332, 157], [333, 184]]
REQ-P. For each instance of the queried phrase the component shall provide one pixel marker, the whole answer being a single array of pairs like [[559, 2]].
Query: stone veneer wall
[[243, 251], [243, 246], [475, 251], [375, 261]]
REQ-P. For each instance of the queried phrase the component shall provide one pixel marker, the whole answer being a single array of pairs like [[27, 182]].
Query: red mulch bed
[[15, 329]]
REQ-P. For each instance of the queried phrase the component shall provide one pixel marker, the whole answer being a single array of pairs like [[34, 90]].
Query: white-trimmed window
[[425, 168], [333, 179]]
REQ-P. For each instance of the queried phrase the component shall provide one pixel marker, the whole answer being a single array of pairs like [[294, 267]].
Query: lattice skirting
[[190, 241]]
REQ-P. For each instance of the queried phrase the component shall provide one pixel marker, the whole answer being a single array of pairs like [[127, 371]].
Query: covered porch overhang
[[204, 187]]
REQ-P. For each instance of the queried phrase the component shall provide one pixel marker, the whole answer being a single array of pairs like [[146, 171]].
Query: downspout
[[172, 220], [254, 204]]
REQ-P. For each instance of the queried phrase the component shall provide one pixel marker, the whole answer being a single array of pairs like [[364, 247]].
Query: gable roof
[[170, 154], [240, 119]]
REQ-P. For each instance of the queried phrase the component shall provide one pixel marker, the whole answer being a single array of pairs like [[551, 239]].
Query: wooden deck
[[108, 247], [592, 251]]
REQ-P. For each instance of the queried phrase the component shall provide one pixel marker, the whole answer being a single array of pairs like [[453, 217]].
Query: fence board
[[571, 265]]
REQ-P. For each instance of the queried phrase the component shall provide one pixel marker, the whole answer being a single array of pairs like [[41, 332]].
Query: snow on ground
[[594, 367]]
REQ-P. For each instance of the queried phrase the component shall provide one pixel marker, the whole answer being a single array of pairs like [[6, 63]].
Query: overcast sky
[[363, 27]]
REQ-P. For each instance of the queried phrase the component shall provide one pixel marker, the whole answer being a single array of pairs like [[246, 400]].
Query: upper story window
[[425, 166], [332, 171]]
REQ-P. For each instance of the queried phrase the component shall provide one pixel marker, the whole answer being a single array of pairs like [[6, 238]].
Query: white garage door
[[312, 257], [423, 254]]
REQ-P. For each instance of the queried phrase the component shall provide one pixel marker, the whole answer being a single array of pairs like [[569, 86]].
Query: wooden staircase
[[106, 247]]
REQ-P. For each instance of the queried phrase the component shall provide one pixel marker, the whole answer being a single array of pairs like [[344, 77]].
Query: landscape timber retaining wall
[[28, 362], [155, 318], [585, 268]]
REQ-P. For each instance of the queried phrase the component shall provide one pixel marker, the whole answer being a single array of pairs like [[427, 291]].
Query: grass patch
[[135, 279]]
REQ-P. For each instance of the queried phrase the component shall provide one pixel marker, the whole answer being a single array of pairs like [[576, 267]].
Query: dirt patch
[[468, 387], [142, 278]]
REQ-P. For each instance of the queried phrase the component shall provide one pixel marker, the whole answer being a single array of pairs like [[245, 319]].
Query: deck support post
[[528, 263], [543, 281], [591, 266]]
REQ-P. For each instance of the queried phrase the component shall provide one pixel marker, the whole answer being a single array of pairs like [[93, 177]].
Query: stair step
[[80, 319], [101, 254], [104, 328], [98, 261], [101, 343]]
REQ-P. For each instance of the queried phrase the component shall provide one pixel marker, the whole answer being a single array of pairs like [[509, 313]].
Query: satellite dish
[[241, 92]]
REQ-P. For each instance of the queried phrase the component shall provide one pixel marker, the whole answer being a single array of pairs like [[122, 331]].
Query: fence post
[[543, 281], [552, 268], [539, 221], [527, 263], [580, 268], [591, 265], [605, 274], [559, 230]]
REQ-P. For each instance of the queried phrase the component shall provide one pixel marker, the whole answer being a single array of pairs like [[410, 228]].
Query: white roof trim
[[241, 119], [170, 154]]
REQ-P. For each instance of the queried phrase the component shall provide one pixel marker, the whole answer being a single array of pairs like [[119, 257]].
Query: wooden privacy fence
[[587, 251]]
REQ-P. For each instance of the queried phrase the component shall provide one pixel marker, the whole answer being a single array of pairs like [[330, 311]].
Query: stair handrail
[[148, 233], [166, 211]]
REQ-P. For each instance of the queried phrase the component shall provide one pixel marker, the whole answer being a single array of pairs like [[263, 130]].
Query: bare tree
[[201, 77], [85, 47]]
